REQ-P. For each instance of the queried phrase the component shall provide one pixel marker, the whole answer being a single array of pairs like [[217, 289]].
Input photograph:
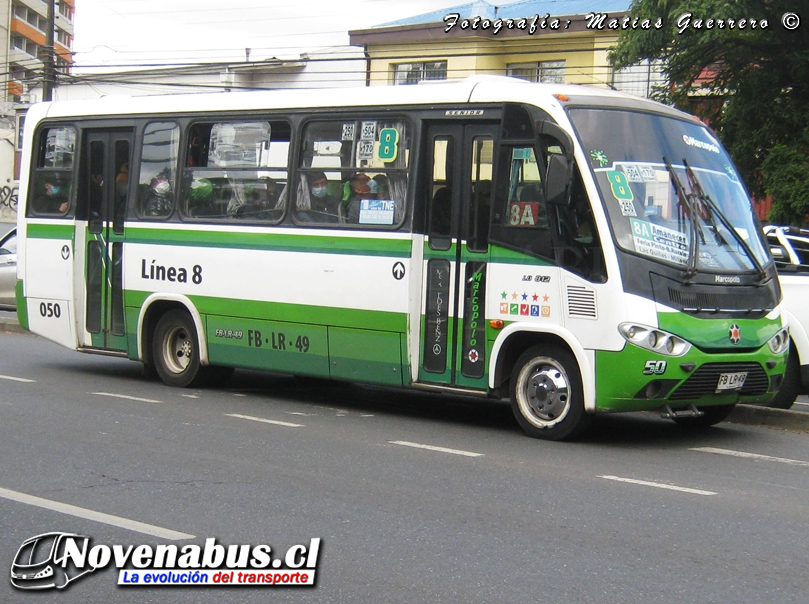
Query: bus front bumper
[[635, 379]]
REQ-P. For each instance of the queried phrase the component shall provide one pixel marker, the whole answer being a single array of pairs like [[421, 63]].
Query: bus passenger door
[[458, 185], [104, 185]]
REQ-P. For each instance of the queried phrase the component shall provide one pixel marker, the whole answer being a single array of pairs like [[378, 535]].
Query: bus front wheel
[[791, 386], [546, 394], [176, 350]]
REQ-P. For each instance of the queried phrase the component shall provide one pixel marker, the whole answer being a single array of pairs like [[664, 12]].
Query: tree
[[757, 68]]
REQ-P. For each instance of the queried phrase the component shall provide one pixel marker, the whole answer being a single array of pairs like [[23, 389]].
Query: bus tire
[[791, 386], [547, 397], [710, 417], [175, 350]]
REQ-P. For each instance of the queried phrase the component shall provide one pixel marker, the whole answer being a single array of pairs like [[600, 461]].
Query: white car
[[790, 249], [8, 270]]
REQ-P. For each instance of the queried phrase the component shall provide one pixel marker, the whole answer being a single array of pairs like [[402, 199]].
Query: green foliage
[[786, 177], [752, 84]]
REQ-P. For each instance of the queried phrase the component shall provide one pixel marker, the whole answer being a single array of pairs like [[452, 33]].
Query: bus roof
[[476, 89]]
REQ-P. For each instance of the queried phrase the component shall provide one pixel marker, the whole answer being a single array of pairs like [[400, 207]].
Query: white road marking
[[72, 510], [189, 395], [15, 379], [659, 485], [404, 443], [266, 421], [127, 397], [804, 404], [792, 462]]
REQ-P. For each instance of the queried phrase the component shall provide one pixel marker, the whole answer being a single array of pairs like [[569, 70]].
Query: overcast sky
[[122, 32]]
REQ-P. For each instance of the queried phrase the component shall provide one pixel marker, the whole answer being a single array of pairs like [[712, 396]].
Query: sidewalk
[[752, 415]]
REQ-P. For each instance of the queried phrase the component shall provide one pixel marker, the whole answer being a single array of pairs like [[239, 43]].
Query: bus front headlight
[[780, 341], [654, 339]]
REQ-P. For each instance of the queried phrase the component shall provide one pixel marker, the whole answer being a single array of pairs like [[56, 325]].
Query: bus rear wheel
[[175, 350], [546, 394]]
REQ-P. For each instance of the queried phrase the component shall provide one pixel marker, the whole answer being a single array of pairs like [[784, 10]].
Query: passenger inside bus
[[360, 186], [322, 206], [53, 198], [159, 198]]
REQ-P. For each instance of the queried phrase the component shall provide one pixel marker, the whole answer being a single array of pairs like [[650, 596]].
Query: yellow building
[[530, 40]]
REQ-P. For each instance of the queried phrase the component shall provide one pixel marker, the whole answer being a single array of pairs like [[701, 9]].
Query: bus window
[[482, 159], [521, 218], [440, 212], [53, 173], [353, 172], [236, 171], [578, 247], [158, 165]]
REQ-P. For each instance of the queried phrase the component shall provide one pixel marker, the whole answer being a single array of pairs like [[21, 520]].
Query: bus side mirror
[[544, 128], [557, 181], [559, 173]]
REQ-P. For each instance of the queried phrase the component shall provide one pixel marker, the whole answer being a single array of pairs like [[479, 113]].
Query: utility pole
[[49, 59]]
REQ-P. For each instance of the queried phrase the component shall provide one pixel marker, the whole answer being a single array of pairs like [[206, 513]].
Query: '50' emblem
[[655, 368]]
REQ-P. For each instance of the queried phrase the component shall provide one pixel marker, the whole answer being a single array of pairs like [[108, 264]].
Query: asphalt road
[[639, 511]]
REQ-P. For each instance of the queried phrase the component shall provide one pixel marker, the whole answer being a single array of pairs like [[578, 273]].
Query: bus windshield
[[671, 191]]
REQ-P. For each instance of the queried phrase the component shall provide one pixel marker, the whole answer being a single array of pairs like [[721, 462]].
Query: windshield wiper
[[685, 201], [714, 211]]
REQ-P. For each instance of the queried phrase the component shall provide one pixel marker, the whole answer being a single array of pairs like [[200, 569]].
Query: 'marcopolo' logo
[[53, 560], [735, 334]]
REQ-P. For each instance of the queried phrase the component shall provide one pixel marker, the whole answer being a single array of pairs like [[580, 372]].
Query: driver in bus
[[53, 199]]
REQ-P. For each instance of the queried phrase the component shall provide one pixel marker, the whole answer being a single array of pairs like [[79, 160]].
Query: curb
[[754, 415], [751, 415]]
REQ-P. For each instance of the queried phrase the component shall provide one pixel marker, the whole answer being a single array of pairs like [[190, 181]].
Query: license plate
[[731, 381]]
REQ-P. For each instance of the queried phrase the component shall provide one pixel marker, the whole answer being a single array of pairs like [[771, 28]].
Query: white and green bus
[[576, 250]]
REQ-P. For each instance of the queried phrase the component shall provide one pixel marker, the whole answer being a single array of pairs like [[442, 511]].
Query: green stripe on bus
[[22, 307], [50, 231], [292, 313], [273, 240]]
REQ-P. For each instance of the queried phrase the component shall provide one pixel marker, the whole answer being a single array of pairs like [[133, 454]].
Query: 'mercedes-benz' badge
[[735, 334]]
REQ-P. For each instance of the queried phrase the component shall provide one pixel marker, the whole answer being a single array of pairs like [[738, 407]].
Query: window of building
[[65, 10], [540, 71], [236, 171], [413, 73], [639, 79], [353, 171]]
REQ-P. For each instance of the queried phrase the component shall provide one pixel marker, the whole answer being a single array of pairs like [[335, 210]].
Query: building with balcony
[[27, 43]]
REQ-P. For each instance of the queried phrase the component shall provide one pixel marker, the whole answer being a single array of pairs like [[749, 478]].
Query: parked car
[[8, 271], [790, 249]]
